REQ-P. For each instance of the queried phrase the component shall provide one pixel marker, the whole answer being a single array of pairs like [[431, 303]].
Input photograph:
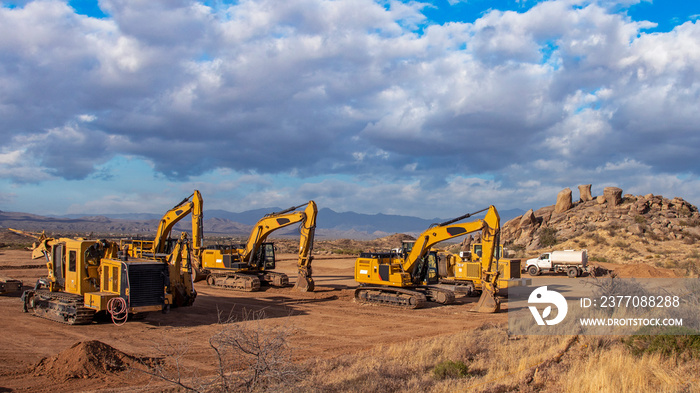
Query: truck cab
[[543, 261]]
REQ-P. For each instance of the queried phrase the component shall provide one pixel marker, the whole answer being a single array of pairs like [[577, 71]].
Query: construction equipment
[[244, 268], [9, 285], [177, 253], [86, 277], [463, 270], [407, 279]]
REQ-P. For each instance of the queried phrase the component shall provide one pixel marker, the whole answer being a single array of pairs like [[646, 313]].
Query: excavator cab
[[407, 246], [426, 270], [265, 257]]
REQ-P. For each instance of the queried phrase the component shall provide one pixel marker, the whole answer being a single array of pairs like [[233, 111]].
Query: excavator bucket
[[304, 283], [488, 302]]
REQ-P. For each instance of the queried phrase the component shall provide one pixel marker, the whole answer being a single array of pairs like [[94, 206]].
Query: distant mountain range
[[330, 224]]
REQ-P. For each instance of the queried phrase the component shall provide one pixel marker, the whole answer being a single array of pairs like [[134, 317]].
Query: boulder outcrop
[[563, 201], [651, 217], [584, 191], [613, 196]]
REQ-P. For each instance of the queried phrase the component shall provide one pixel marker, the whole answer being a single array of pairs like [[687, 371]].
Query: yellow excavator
[[463, 270], [246, 267], [177, 253], [86, 277], [407, 278]]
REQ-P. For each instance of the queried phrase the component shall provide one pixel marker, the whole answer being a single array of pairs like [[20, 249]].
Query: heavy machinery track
[[58, 306], [234, 281], [439, 295], [393, 297], [466, 287], [273, 278]]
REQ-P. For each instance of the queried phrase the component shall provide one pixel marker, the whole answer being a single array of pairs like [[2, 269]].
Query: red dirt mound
[[88, 359]]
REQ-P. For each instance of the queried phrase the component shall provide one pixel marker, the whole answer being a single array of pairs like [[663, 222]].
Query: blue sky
[[431, 109]]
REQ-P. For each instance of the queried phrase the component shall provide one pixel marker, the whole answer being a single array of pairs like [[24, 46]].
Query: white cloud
[[302, 88]]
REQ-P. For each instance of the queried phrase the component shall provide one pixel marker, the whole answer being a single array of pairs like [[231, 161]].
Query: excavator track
[[58, 306], [466, 287], [275, 279], [439, 295], [392, 297], [234, 281]]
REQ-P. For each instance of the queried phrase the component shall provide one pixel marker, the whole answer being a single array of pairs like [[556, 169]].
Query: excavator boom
[[192, 204], [306, 244]]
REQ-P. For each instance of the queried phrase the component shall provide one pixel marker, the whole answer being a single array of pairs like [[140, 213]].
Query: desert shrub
[[691, 267], [249, 357], [679, 341], [548, 237], [621, 244], [518, 249], [597, 239], [450, 369], [598, 259]]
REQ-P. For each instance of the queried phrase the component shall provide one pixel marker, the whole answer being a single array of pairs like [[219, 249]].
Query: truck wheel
[[533, 270], [573, 272]]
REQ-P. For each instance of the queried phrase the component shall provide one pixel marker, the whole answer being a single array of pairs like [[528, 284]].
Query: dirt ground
[[35, 354]]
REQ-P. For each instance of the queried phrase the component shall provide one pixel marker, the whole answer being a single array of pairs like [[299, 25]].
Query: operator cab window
[[72, 261]]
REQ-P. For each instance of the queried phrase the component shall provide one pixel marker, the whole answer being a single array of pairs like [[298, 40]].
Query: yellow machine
[[405, 279], [90, 276], [177, 253], [464, 270], [246, 267]]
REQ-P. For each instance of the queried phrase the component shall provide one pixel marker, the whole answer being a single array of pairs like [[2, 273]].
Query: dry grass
[[499, 363]]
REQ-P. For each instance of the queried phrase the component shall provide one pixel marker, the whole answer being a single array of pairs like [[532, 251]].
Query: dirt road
[[325, 323]]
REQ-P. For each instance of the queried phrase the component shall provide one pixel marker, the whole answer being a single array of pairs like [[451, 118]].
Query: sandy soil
[[324, 323]]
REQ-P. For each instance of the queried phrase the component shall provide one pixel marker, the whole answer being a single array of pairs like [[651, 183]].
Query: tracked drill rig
[[244, 268], [406, 279], [86, 277]]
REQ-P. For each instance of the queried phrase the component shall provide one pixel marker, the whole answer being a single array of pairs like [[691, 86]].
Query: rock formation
[[563, 201], [649, 216], [613, 196], [585, 191]]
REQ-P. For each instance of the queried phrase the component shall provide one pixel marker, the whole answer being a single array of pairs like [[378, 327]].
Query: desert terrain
[[323, 341], [324, 324], [325, 331]]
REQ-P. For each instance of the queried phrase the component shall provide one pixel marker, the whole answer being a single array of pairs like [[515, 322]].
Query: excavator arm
[[435, 235], [192, 204], [274, 221], [264, 227], [306, 244], [490, 231], [490, 238]]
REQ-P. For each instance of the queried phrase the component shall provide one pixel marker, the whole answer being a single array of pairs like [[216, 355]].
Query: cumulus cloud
[[367, 89]]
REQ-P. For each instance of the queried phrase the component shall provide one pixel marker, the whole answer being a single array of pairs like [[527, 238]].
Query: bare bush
[[249, 356]]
